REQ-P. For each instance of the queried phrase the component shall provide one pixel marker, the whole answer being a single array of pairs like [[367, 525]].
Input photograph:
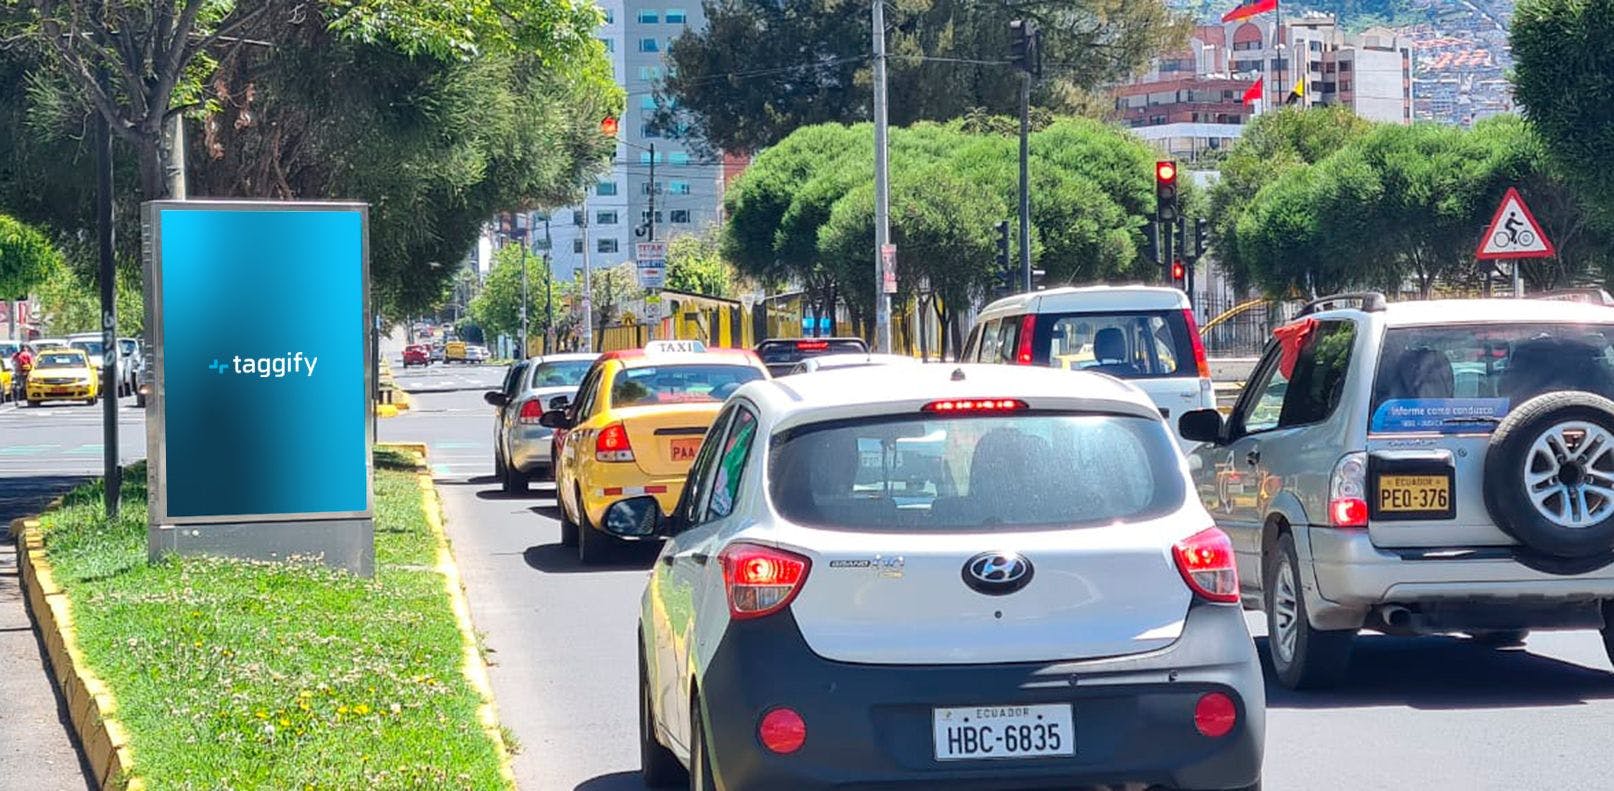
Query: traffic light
[[1201, 237], [609, 126], [1165, 191], [1025, 53], [1006, 273], [1151, 241], [1179, 275]]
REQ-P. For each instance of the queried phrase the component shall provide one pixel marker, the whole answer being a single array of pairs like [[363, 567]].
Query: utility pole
[[176, 158], [650, 220], [524, 303], [1025, 53], [588, 281], [549, 289], [882, 188], [109, 310]]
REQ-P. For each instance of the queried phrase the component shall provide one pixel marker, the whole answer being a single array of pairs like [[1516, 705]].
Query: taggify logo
[[266, 367]]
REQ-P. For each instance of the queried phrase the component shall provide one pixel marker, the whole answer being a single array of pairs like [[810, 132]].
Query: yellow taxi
[[633, 432], [62, 374]]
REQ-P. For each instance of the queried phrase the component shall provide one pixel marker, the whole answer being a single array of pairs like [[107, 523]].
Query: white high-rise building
[[686, 189]]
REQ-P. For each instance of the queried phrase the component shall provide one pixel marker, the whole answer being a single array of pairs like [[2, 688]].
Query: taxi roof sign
[[674, 347]]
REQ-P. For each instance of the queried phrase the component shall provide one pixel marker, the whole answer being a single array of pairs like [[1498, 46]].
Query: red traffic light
[[1178, 271], [1165, 172], [608, 126]]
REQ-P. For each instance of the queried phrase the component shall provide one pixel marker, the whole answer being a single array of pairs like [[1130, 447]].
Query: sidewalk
[[36, 752]]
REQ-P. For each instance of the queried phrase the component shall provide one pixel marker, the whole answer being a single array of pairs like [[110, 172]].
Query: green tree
[[497, 307], [27, 258], [760, 70], [695, 264], [1564, 80]]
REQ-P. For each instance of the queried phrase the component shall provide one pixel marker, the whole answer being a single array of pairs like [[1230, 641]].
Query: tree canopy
[[695, 264], [761, 69], [27, 258], [1564, 80]]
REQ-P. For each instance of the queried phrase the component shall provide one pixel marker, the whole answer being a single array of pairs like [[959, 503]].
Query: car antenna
[[958, 374]]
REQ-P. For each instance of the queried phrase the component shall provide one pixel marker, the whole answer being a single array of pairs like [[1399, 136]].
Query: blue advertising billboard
[[259, 321]]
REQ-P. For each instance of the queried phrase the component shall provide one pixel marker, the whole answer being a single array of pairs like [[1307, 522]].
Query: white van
[[1143, 334]]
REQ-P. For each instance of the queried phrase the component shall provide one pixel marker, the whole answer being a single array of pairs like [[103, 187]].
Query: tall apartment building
[[1192, 101], [686, 189]]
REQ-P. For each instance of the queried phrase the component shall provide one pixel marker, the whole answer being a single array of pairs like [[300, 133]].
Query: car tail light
[[1200, 359], [612, 444], [1215, 714], [1206, 562], [782, 731], [1028, 327], [1347, 492], [976, 405], [531, 411], [761, 580], [812, 346]]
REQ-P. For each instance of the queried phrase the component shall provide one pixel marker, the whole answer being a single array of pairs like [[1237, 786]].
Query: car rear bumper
[[530, 448], [1353, 575], [604, 491], [870, 726]]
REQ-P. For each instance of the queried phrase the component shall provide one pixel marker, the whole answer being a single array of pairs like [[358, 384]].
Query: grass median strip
[[230, 674]]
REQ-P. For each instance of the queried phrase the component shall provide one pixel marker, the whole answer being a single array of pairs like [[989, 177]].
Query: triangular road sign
[[1514, 232]]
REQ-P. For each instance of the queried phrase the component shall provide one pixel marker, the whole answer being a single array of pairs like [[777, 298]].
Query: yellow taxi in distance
[[632, 434], [62, 374]]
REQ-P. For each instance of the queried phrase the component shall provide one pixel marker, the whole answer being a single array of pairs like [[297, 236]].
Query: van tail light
[[1205, 560], [1347, 491], [531, 411], [612, 444], [1028, 327], [782, 731], [1200, 359], [761, 580], [1215, 714]]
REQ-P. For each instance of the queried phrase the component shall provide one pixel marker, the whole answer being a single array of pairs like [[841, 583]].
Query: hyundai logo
[[997, 573]]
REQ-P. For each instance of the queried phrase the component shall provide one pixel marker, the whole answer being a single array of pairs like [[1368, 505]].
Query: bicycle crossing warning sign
[[1514, 232]]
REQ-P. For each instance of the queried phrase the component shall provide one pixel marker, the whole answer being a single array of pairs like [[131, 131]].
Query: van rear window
[[1130, 345]]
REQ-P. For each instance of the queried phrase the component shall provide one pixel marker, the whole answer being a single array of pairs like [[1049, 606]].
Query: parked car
[[416, 354], [1418, 468], [521, 445], [477, 354], [896, 578], [1143, 334], [837, 361], [93, 347], [781, 355]]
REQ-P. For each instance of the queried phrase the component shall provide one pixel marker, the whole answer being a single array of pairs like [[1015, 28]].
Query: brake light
[[1200, 359], [1205, 560], [1215, 714], [1028, 326], [976, 405], [782, 731], [611, 444], [1347, 491], [812, 346], [761, 580], [531, 411]]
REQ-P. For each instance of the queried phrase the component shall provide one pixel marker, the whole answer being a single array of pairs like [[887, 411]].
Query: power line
[[744, 75]]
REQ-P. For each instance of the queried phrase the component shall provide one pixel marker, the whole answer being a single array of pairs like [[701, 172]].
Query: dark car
[[780, 355]]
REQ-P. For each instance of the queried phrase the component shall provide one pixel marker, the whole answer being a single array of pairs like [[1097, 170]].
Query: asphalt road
[[43, 452], [1428, 713]]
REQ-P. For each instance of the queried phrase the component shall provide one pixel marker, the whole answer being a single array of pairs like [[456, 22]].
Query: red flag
[[1254, 93], [1250, 9]]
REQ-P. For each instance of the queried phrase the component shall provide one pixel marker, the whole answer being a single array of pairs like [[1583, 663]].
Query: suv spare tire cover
[[1513, 459]]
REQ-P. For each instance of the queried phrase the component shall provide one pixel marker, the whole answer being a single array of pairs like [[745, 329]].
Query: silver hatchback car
[[1417, 468], [521, 447]]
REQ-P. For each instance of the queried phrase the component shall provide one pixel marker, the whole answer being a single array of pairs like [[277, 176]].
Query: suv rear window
[[924, 472], [560, 373], [789, 352], [1128, 345], [1466, 377]]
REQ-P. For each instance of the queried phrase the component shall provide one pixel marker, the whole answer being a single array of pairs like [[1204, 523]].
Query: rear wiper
[[1457, 421]]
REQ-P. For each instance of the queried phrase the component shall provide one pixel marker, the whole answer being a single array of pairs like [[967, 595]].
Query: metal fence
[[1240, 328]]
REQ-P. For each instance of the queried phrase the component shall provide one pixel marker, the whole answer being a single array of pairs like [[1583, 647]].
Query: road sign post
[[1514, 235]]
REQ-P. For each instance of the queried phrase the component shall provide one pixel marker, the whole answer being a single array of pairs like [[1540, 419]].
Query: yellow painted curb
[[90, 704], [386, 410], [474, 669], [401, 400]]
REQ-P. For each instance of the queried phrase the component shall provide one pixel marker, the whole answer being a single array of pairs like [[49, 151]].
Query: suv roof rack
[[1371, 302]]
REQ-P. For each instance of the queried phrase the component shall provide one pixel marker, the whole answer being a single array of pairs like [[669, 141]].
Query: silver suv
[[1419, 468]]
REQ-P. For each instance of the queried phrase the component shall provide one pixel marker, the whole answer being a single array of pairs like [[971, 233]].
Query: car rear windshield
[[1465, 377], [924, 472], [92, 348], [560, 373], [1129, 345], [795, 350], [59, 360], [679, 384], [126, 346]]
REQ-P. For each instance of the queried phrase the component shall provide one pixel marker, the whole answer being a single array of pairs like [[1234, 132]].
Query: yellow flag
[[1298, 93]]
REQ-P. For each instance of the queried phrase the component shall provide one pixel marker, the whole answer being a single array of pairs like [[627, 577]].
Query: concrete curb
[[472, 665], [91, 707]]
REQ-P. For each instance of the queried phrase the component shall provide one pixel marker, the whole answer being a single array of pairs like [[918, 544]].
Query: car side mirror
[[635, 517], [559, 402], [496, 398], [554, 418], [1201, 425]]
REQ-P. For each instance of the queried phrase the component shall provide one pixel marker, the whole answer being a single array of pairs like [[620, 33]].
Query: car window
[[970, 345], [988, 351], [1262, 404], [513, 378], [699, 482], [1008, 339], [785, 352], [92, 348], [1129, 345], [60, 360], [1318, 378], [679, 384], [731, 465], [587, 392], [923, 472], [560, 373], [127, 346], [1467, 377]]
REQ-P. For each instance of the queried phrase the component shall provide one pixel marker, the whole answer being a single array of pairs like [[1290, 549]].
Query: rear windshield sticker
[[1439, 415]]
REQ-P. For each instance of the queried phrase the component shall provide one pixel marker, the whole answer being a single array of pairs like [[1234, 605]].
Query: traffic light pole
[[1169, 246], [1025, 180]]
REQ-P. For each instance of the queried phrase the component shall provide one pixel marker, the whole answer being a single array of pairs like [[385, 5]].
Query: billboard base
[[346, 544]]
